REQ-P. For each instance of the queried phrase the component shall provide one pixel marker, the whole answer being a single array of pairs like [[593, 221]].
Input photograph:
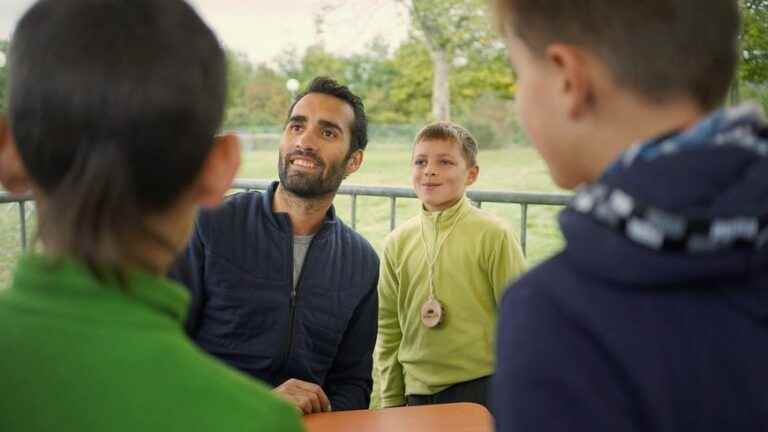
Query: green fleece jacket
[[79, 354], [475, 263]]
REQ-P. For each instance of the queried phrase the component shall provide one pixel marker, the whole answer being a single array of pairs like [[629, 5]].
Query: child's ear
[[219, 170], [13, 176], [354, 162], [472, 175], [575, 82]]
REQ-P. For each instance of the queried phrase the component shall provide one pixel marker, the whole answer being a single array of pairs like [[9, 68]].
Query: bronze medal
[[431, 312]]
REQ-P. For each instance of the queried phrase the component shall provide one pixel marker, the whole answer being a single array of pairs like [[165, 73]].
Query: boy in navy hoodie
[[654, 316]]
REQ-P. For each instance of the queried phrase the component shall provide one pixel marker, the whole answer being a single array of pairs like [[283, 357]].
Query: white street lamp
[[292, 85], [460, 61]]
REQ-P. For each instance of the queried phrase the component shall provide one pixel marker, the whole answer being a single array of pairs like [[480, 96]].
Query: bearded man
[[282, 289]]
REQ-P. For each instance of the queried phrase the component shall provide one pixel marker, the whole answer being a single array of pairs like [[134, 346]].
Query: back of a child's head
[[451, 132], [113, 105], [657, 48]]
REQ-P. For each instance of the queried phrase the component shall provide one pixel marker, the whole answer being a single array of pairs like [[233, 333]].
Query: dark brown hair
[[330, 87], [659, 48], [114, 105], [451, 132]]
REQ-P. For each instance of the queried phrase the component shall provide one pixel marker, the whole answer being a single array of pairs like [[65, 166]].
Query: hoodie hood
[[685, 207]]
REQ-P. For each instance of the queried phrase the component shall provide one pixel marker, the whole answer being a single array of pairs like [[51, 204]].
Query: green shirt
[[477, 260], [83, 355]]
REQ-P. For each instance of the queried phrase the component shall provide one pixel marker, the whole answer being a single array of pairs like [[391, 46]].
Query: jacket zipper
[[292, 317], [292, 305]]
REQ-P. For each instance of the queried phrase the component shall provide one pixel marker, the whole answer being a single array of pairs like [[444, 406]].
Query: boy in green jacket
[[442, 277], [113, 109]]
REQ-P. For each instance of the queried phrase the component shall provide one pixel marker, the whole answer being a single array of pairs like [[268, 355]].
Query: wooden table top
[[455, 417]]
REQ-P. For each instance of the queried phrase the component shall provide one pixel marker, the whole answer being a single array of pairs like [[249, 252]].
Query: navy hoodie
[[239, 270], [620, 333]]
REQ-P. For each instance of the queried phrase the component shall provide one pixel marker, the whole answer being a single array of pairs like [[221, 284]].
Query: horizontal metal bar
[[495, 196], [524, 199], [555, 199], [7, 198]]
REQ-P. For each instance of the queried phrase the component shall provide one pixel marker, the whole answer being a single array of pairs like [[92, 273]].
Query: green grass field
[[513, 169]]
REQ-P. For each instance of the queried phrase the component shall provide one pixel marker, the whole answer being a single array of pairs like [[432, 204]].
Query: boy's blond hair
[[451, 132]]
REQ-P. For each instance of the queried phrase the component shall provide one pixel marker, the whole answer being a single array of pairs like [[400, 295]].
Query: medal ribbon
[[432, 260]]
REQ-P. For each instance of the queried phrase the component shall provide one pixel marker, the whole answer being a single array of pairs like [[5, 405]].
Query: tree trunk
[[441, 92]]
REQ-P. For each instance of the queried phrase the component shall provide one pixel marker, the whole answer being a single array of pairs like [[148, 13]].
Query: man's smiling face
[[314, 149]]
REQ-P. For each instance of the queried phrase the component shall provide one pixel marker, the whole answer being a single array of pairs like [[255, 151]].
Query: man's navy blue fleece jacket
[[245, 311]]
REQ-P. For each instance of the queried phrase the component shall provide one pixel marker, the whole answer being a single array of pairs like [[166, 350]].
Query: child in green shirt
[[113, 107], [442, 276]]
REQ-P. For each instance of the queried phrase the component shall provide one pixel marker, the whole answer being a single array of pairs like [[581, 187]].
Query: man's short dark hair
[[659, 48], [328, 86], [114, 105]]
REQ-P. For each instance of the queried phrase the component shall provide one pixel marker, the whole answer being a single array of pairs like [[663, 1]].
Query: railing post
[[392, 209], [354, 210], [23, 224], [735, 95], [523, 226]]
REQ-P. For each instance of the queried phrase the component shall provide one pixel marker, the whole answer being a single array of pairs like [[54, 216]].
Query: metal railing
[[478, 197]]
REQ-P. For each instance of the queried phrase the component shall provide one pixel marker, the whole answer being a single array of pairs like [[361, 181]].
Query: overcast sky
[[264, 28]]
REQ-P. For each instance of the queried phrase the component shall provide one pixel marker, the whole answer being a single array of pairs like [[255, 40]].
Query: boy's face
[[541, 98], [440, 173]]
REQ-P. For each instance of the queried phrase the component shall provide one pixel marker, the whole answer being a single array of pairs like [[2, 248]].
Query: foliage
[[396, 82], [396, 85], [452, 25], [452, 31], [410, 89], [493, 122], [754, 67], [316, 61], [755, 92]]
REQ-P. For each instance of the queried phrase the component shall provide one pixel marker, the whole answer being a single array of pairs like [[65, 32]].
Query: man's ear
[[472, 175], [354, 162], [218, 171], [13, 175], [575, 81]]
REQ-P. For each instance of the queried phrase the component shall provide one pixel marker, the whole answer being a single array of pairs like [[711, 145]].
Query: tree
[[485, 73], [751, 80], [266, 98], [316, 61], [370, 74], [239, 71], [397, 86], [449, 30], [754, 66]]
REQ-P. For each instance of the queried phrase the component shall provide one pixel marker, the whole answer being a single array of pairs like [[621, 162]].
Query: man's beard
[[310, 185]]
